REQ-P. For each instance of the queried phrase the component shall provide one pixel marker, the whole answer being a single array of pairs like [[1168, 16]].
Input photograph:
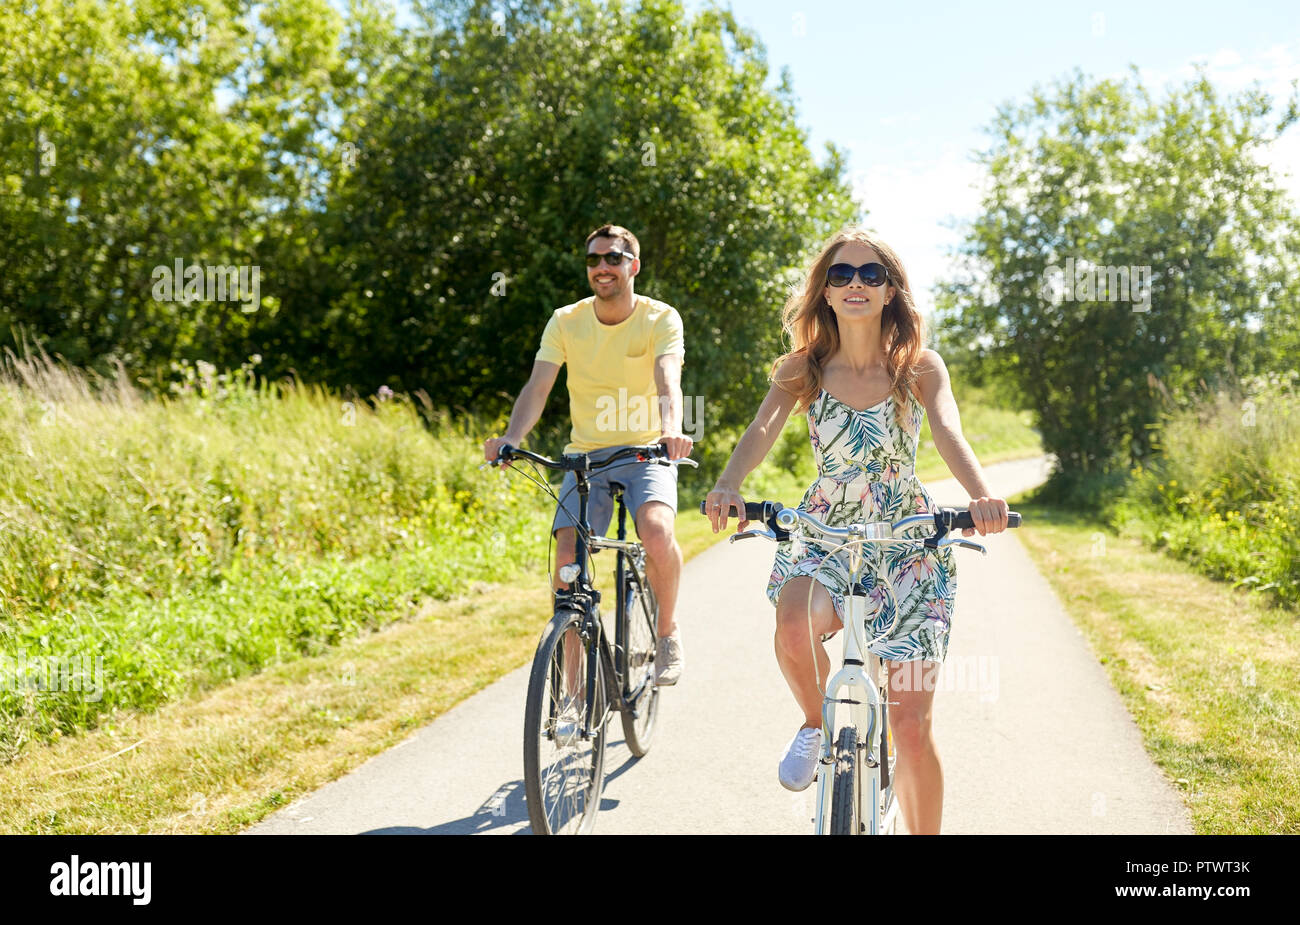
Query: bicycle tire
[[545, 778], [641, 644], [846, 785]]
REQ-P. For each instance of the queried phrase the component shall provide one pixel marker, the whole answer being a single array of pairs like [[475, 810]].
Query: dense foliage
[[1090, 178], [415, 196]]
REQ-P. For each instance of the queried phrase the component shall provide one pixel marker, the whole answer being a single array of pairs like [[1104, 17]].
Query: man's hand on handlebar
[[679, 445], [492, 448]]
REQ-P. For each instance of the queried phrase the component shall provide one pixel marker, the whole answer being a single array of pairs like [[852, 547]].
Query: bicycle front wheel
[[638, 668], [564, 771], [846, 796]]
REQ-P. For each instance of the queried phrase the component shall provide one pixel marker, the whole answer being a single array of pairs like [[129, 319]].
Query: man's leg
[[654, 526], [565, 552]]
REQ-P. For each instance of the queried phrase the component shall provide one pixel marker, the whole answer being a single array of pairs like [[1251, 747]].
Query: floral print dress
[[865, 463]]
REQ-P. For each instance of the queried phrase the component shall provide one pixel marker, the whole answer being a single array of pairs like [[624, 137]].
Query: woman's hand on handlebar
[[719, 503], [989, 514]]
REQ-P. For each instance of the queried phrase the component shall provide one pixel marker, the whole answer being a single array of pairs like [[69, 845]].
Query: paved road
[[1032, 737]]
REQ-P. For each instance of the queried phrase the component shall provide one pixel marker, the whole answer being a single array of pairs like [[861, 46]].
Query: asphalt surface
[[1031, 736]]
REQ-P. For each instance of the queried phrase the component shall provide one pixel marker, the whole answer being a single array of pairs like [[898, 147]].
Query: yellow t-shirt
[[612, 396]]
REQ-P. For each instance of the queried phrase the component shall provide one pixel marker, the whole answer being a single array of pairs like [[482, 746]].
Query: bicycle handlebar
[[581, 462], [944, 519]]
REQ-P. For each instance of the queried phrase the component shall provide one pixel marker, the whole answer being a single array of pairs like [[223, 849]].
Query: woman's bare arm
[[752, 449], [945, 427]]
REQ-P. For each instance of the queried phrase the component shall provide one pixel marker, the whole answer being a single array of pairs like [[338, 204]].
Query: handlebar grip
[[753, 510], [963, 520]]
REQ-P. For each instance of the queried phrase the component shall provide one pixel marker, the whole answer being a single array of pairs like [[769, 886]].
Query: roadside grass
[[1224, 491], [1206, 671], [218, 762], [995, 434]]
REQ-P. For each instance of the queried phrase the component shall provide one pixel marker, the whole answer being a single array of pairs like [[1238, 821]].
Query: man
[[625, 355]]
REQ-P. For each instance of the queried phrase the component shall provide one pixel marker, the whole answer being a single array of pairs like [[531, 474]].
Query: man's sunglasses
[[613, 258], [841, 274]]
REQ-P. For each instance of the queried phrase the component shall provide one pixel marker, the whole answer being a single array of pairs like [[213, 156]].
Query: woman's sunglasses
[[613, 258], [841, 274]]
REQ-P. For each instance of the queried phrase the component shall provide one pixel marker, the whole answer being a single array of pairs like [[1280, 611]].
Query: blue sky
[[907, 89]]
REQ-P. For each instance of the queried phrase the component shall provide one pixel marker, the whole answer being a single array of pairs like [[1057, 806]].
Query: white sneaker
[[668, 659], [799, 763]]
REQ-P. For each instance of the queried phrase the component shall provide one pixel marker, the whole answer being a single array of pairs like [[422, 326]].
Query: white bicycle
[[855, 792]]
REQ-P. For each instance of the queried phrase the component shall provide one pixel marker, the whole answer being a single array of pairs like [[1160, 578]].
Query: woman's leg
[[795, 647], [918, 777]]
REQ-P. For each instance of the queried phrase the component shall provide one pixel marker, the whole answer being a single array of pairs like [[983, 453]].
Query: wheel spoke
[[566, 766], [642, 614]]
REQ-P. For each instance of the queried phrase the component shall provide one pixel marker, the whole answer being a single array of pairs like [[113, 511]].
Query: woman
[[856, 336]]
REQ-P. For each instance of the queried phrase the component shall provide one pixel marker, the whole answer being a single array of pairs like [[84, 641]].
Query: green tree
[[138, 133], [1102, 174], [497, 144]]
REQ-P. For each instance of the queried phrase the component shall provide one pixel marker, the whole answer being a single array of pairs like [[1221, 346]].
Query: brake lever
[[748, 533], [958, 541]]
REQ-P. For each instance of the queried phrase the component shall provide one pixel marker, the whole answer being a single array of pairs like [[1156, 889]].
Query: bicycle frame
[[630, 560]]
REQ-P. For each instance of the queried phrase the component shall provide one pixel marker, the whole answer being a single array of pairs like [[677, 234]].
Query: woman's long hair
[[814, 334]]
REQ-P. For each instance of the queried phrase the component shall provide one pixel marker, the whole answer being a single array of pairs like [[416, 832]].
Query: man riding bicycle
[[624, 353]]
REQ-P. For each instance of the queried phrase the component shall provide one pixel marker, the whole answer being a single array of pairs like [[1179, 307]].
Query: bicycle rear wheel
[[564, 773], [847, 785], [638, 667]]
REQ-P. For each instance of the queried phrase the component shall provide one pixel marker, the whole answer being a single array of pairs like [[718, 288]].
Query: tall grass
[[1224, 492], [232, 524]]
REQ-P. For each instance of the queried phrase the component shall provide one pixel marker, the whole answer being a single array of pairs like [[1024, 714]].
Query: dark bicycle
[[575, 666]]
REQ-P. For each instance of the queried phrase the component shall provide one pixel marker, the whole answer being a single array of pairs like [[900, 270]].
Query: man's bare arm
[[668, 383], [528, 408]]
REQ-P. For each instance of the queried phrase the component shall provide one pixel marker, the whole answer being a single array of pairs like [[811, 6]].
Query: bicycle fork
[[855, 685]]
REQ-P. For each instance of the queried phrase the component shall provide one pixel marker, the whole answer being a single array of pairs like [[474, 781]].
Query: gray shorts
[[642, 482]]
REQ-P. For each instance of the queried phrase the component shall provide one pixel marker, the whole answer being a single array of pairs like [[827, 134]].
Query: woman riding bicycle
[[856, 335]]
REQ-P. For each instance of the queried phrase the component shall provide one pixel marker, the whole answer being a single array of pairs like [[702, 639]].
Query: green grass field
[[234, 525]]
